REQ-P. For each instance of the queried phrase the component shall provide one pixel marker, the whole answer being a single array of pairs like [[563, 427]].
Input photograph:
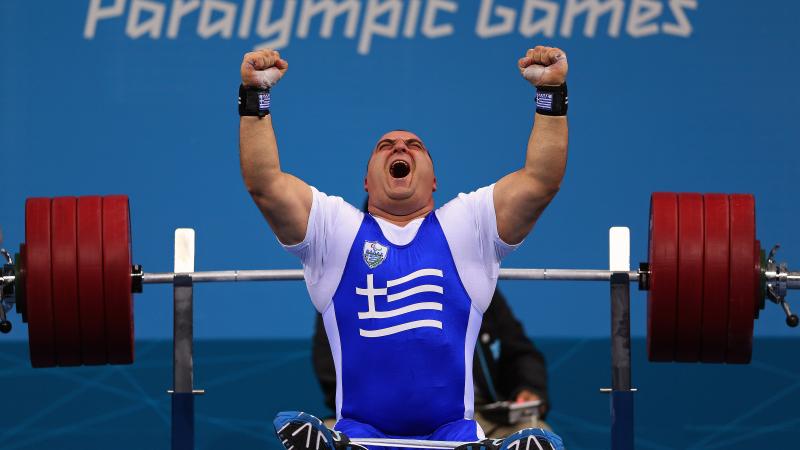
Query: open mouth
[[399, 169]]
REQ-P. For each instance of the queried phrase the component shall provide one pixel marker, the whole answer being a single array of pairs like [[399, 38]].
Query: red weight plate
[[38, 287], [90, 280], [117, 279], [66, 314], [690, 277], [758, 294], [19, 283], [741, 298], [716, 278], [662, 295]]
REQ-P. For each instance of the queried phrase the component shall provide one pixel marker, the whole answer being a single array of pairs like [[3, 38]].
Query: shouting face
[[400, 180]]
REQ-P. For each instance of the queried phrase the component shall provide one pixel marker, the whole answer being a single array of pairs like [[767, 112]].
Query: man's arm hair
[[284, 200]]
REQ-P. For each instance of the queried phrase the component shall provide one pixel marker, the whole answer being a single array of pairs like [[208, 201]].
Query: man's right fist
[[543, 66], [263, 68]]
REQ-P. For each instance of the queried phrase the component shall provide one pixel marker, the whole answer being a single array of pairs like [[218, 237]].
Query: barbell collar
[[137, 275]]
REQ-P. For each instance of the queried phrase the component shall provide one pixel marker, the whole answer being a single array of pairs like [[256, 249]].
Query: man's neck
[[400, 220]]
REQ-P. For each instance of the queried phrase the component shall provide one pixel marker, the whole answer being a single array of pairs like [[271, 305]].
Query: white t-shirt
[[468, 222]]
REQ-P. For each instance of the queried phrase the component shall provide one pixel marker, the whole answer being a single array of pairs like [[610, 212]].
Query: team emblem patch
[[374, 254]]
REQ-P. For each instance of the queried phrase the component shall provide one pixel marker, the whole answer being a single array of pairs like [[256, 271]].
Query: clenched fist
[[263, 68], [544, 66]]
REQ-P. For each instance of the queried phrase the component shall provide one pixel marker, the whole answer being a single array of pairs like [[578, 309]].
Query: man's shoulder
[[334, 207], [468, 202]]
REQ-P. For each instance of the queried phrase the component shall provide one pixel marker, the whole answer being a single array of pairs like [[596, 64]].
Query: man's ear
[[434, 184], [365, 185]]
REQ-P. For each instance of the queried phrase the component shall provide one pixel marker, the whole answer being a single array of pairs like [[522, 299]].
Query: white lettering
[[529, 27], [484, 30], [180, 8], [332, 10], [97, 13], [683, 28], [223, 26], [152, 26], [412, 16], [273, 22], [429, 27], [640, 15], [247, 18], [282, 27], [595, 9], [371, 26]]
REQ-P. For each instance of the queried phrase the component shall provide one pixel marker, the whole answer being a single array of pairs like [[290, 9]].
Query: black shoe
[[485, 444], [300, 431], [527, 439], [532, 439]]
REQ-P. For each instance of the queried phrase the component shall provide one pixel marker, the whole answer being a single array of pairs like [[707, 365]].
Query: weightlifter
[[402, 289]]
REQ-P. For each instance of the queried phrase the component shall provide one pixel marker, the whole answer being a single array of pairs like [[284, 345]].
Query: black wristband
[[253, 101], [552, 100]]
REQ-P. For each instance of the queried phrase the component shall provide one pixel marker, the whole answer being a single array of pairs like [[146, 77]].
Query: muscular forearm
[[521, 197], [258, 154], [284, 200], [546, 158]]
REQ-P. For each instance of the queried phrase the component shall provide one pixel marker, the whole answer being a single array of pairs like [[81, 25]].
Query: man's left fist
[[544, 66]]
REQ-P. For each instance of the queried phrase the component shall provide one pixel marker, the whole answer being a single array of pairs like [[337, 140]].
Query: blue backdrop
[[139, 97], [678, 406]]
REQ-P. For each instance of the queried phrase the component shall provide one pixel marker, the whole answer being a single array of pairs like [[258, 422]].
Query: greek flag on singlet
[[402, 315]]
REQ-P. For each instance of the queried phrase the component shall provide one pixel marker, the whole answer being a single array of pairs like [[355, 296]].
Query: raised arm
[[521, 196], [284, 200]]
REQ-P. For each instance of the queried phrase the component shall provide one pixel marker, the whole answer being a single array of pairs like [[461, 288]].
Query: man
[[402, 289], [506, 366]]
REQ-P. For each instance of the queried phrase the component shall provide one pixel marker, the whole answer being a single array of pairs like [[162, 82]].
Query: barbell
[[707, 279]]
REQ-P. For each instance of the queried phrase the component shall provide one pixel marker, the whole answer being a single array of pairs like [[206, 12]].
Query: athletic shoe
[[485, 444], [532, 439], [300, 431], [527, 439]]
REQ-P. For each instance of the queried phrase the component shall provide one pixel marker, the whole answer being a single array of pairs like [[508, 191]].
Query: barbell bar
[[297, 274], [707, 278], [407, 443]]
